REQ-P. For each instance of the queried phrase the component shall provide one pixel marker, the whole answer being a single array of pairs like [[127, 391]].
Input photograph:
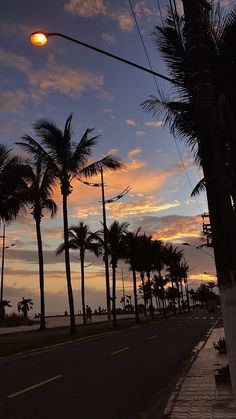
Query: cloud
[[176, 228], [95, 8], [140, 134], [135, 152], [66, 80], [11, 101], [154, 124], [131, 122], [54, 77], [88, 8], [125, 21], [13, 60], [108, 38], [145, 205]]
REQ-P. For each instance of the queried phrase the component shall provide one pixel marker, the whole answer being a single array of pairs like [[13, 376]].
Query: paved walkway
[[197, 395], [59, 321]]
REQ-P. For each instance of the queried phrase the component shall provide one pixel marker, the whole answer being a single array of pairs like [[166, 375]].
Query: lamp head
[[38, 38]]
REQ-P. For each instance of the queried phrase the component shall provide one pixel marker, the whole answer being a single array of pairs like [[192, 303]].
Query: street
[[127, 374]]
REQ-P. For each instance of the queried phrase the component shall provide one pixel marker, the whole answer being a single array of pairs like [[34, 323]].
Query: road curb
[[32, 352], [172, 399]]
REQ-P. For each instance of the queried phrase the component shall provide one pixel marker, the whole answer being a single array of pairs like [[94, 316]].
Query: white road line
[[42, 383], [120, 350], [204, 318], [196, 318], [152, 337], [169, 330], [211, 318]]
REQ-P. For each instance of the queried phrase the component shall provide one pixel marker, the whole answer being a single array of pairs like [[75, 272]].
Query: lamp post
[[40, 38], [3, 259], [106, 261]]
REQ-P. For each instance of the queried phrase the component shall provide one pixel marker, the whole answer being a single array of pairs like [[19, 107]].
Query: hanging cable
[[160, 12], [144, 47], [173, 11]]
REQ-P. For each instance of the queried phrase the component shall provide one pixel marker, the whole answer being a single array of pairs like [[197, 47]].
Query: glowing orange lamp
[[38, 38]]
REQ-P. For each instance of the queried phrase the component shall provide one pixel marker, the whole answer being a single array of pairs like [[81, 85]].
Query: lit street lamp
[[40, 38], [3, 258]]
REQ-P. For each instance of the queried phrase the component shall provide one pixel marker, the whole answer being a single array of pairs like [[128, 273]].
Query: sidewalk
[[59, 321], [197, 395]]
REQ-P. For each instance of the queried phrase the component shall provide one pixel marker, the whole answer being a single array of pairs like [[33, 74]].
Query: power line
[[174, 12], [160, 12], [144, 47]]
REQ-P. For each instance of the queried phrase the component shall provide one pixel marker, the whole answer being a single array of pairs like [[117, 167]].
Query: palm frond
[[107, 163]]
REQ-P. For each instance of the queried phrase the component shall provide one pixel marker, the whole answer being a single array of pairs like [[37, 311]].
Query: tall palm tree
[[172, 258], [132, 251], [81, 238], [37, 194], [116, 248], [68, 160]]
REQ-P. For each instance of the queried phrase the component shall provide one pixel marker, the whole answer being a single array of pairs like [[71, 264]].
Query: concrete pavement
[[197, 395]]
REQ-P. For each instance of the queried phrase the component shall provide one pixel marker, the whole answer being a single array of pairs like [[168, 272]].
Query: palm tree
[[132, 251], [37, 194], [116, 249], [25, 305], [11, 170], [172, 257], [68, 160], [81, 238], [3, 304]]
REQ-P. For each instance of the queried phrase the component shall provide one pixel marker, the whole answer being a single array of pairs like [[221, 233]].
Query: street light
[[198, 248], [106, 261], [3, 258], [40, 38]]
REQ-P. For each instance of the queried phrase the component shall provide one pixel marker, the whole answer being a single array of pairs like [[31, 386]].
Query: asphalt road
[[128, 374]]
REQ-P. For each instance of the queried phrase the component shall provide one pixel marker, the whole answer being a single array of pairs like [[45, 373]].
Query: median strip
[[120, 350], [25, 390]]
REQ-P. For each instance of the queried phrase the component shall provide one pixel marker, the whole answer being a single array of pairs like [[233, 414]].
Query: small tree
[[24, 306], [3, 304]]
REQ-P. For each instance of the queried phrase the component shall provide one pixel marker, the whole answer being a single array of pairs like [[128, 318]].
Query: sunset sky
[[60, 78]]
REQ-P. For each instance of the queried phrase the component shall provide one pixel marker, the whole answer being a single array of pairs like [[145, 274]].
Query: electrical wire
[[144, 47], [160, 12], [173, 11]]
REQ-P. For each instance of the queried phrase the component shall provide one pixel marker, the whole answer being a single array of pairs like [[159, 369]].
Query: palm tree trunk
[[41, 275], [135, 297], [114, 294], [150, 295], [144, 294], [187, 294], [82, 286], [173, 299], [67, 265]]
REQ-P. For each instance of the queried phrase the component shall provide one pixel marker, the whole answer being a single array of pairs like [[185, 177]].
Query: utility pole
[[108, 296], [205, 100], [3, 257]]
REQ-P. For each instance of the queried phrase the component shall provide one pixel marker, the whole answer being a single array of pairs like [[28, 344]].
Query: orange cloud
[[154, 124], [134, 152], [88, 8], [145, 205], [131, 122]]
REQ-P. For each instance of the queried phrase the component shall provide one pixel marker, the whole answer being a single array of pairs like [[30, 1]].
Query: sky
[[62, 78]]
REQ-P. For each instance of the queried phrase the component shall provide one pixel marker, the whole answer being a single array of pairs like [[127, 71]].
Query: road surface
[[127, 374]]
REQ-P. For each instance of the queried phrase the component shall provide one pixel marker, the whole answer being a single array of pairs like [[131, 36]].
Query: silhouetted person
[[88, 314]]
